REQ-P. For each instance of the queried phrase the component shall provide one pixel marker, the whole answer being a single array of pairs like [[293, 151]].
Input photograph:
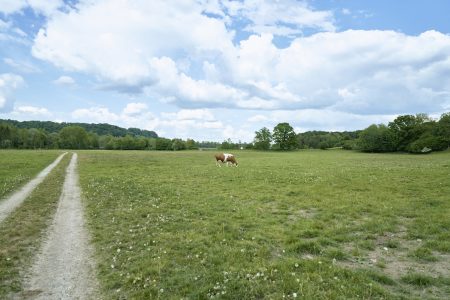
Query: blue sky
[[218, 69]]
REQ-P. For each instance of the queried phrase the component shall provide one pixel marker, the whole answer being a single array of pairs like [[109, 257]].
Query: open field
[[312, 224], [19, 166]]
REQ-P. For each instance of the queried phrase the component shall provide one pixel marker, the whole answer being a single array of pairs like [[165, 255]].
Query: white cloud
[[95, 114], [12, 6], [44, 7], [64, 80], [191, 114], [135, 108], [257, 119], [133, 115], [114, 31], [284, 17], [8, 84], [4, 25], [31, 111], [135, 46], [327, 119], [346, 11]]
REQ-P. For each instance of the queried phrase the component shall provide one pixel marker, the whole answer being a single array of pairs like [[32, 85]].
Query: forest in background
[[407, 133]]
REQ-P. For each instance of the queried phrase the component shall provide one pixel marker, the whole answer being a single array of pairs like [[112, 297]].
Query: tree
[[73, 137], [263, 138], [191, 144], [443, 128], [284, 137], [376, 138], [228, 144], [407, 129], [178, 144]]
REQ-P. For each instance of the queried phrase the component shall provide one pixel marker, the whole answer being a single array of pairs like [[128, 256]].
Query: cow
[[226, 158]]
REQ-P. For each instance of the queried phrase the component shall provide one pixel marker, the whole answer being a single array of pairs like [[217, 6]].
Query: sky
[[219, 69]]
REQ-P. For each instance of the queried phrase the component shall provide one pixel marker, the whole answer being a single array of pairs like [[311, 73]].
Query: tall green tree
[[407, 129], [443, 128], [377, 138], [284, 137], [191, 144], [263, 138], [73, 137]]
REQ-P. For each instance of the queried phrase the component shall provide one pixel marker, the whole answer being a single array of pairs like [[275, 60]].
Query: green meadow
[[17, 167], [306, 224]]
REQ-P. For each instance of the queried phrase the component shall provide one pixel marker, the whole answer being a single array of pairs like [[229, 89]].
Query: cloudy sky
[[218, 69]]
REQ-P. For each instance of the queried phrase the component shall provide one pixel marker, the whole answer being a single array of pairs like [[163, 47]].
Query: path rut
[[64, 268], [16, 199]]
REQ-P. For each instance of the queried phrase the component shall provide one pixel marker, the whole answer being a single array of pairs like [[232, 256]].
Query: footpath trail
[[64, 268], [11, 203]]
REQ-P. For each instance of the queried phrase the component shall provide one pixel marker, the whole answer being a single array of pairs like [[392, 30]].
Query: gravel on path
[[64, 268]]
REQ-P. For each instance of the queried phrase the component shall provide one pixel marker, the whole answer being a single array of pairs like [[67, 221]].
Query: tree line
[[99, 129], [407, 133], [77, 137]]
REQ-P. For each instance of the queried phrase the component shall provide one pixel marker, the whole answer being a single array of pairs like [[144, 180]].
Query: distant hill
[[100, 129]]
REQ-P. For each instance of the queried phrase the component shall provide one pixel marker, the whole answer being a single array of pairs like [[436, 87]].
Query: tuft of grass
[[424, 254], [379, 277], [419, 279], [366, 244], [393, 244], [307, 247], [21, 232], [335, 253]]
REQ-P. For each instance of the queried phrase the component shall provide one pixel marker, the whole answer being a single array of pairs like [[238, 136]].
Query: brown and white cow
[[226, 158]]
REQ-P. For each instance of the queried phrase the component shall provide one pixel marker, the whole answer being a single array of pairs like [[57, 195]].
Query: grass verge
[[20, 166]]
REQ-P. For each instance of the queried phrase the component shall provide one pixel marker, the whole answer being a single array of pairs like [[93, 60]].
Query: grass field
[[22, 232], [307, 224], [17, 167]]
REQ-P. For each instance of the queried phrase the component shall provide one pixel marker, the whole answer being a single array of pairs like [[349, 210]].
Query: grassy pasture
[[307, 224], [17, 167]]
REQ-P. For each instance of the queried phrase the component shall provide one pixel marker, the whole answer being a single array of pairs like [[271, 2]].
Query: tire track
[[11, 203], [64, 268]]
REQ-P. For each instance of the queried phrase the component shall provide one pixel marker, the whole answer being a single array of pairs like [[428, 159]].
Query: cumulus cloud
[[21, 66], [64, 80], [114, 31], [44, 7], [135, 108], [326, 119], [132, 115], [95, 114], [8, 84], [191, 114], [137, 47], [31, 111], [257, 119], [285, 17]]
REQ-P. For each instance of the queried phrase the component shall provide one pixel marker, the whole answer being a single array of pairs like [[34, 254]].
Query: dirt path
[[64, 268], [11, 203]]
